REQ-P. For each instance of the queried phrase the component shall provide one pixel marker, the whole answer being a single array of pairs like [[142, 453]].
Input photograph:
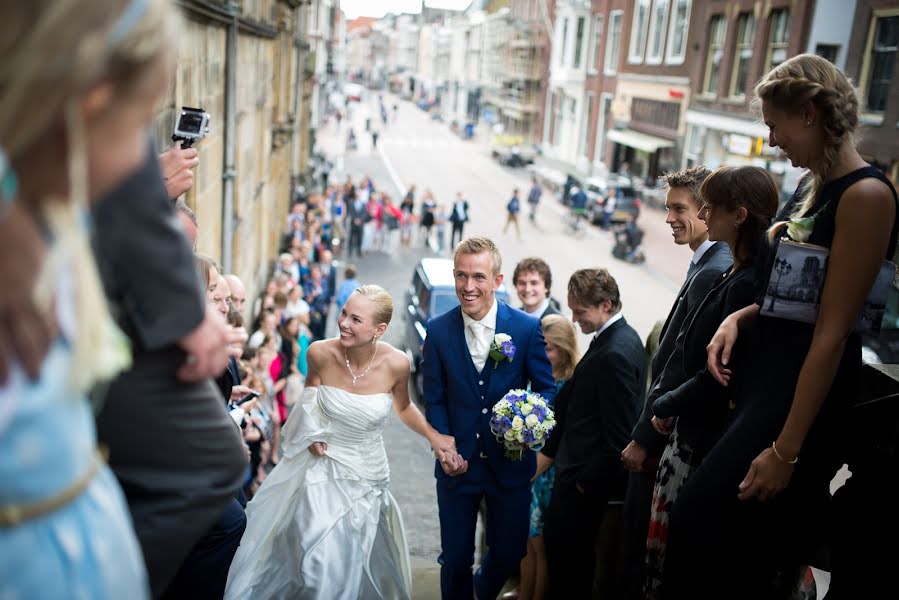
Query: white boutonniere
[[502, 348], [799, 230]]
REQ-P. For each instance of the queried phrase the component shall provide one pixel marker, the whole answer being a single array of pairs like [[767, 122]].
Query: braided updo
[[811, 78]]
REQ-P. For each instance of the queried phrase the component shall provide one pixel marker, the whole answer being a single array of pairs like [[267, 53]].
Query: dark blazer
[[354, 213], [454, 216], [708, 271], [173, 447], [550, 309], [686, 389], [596, 410], [459, 400]]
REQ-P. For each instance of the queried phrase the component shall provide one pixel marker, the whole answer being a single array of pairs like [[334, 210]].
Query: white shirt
[[540, 309], [697, 255], [480, 336], [607, 324]]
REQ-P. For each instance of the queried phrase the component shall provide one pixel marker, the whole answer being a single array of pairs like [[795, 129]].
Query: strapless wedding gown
[[326, 527]]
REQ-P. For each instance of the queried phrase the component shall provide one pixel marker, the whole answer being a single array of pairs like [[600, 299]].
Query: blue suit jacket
[[459, 400]]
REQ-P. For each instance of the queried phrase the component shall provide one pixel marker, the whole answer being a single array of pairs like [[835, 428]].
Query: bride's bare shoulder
[[397, 360], [322, 349]]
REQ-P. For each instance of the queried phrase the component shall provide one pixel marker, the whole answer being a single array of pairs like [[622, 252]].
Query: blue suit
[[459, 402]]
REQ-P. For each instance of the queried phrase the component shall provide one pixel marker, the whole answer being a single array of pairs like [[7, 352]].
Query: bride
[[323, 524]]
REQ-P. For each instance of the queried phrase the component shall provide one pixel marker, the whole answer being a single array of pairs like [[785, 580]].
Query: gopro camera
[[192, 125]]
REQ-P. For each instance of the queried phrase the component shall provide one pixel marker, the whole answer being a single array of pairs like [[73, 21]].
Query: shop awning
[[640, 141]]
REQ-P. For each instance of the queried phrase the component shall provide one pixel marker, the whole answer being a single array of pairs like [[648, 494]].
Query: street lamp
[[781, 267]]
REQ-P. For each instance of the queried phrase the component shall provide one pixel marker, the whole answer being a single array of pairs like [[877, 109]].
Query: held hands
[[634, 456], [318, 448], [768, 476], [719, 350], [663, 426], [444, 447]]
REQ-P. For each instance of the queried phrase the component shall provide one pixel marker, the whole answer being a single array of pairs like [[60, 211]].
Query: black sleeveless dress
[[717, 541]]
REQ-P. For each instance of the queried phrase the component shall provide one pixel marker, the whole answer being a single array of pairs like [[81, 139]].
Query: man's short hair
[[688, 179], [535, 265], [478, 245], [182, 207], [593, 287], [350, 272]]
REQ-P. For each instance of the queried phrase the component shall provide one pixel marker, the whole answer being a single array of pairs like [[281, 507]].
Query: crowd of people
[[137, 415]]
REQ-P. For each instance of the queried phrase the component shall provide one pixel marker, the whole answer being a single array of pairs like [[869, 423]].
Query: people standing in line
[[408, 208], [641, 456], [357, 216], [513, 207], [595, 412], [393, 222], [534, 199], [461, 384], [738, 205], [533, 279], [787, 438], [440, 219], [563, 353], [428, 207], [458, 218]]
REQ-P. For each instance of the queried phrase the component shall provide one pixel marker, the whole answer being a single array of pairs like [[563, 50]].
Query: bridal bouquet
[[521, 421]]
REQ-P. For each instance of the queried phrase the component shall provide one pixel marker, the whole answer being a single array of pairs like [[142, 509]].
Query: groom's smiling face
[[476, 283]]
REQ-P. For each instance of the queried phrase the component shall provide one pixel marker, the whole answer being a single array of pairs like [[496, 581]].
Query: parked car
[[432, 292], [353, 91]]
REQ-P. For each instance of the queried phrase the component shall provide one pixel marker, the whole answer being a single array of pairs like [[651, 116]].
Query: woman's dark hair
[[751, 188]]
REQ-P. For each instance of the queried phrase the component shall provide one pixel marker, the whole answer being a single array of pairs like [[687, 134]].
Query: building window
[[599, 153], [829, 51], [695, 144], [717, 31], [579, 42], [585, 127], [657, 32], [564, 43], [595, 42], [611, 66], [639, 26], [778, 37], [742, 54], [880, 59], [677, 32]]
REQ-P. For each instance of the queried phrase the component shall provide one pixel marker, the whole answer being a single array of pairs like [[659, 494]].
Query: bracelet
[[781, 458]]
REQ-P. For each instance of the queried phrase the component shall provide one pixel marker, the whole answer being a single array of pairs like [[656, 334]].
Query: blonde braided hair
[[811, 78], [54, 52]]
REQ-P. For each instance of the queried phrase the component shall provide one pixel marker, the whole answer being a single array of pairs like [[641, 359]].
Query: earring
[[808, 123], [374, 339], [736, 225]]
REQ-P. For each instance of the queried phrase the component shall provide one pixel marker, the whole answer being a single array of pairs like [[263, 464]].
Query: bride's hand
[[318, 448], [443, 445]]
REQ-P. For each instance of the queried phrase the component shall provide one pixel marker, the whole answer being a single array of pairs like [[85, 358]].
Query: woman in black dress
[[792, 395], [738, 204]]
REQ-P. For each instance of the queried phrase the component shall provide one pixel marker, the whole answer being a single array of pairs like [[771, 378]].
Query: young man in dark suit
[[461, 385], [641, 455], [533, 280], [458, 217], [595, 412]]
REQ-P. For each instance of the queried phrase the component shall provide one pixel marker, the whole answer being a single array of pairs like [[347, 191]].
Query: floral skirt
[[677, 464], [541, 492]]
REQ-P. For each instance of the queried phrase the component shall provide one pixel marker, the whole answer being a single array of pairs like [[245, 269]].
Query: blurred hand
[[206, 348], [634, 457], [176, 164], [543, 463], [25, 333], [239, 391], [767, 477], [237, 338], [318, 448]]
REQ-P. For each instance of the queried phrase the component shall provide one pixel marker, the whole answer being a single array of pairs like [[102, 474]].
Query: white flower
[[799, 230], [510, 435], [519, 436], [499, 338], [517, 423], [532, 421], [526, 408]]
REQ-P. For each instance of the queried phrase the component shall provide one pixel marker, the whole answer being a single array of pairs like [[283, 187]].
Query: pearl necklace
[[355, 377]]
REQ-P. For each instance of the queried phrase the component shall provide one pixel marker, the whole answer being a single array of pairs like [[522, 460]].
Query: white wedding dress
[[326, 527]]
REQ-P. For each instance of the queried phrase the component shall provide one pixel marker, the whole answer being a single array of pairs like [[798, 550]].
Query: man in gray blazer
[[641, 456]]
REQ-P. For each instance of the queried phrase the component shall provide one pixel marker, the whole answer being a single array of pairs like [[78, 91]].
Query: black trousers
[[570, 528], [355, 242], [457, 229], [637, 507]]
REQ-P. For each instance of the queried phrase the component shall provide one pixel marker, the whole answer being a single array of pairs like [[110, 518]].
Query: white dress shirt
[[479, 336], [697, 255], [607, 324]]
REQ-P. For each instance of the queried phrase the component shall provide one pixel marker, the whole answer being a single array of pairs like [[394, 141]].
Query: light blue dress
[[87, 548]]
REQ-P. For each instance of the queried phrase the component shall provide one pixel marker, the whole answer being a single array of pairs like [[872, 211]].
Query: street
[[413, 149]]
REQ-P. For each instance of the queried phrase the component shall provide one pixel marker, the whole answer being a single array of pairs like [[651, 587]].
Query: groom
[[461, 385]]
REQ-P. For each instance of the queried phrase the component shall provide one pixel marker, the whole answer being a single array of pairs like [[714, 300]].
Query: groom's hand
[[453, 464], [318, 448]]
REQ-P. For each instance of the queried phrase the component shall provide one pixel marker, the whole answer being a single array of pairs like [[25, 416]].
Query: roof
[[359, 23]]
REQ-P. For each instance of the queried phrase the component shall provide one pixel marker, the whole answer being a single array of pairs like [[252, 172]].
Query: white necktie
[[477, 347]]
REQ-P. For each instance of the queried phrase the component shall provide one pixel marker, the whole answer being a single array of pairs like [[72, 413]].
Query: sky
[[378, 8]]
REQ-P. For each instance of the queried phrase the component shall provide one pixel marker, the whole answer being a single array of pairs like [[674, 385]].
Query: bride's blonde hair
[[53, 52]]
